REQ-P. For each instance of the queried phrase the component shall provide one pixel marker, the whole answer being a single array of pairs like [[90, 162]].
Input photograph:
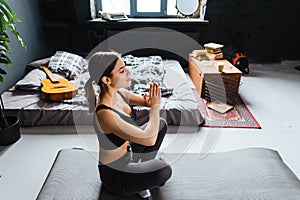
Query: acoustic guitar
[[57, 89]]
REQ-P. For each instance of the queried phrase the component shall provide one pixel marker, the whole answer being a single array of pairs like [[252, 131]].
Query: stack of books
[[214, 51], [200, 54], [219, 106]]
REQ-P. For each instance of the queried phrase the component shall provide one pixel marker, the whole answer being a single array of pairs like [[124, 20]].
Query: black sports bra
[[111, 141]]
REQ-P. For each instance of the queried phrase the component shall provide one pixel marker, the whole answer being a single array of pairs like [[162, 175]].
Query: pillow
[[32, 80], [37, 63], [67, 64]]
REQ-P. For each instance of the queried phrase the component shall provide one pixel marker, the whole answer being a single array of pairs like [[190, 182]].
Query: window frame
[[98, 6]]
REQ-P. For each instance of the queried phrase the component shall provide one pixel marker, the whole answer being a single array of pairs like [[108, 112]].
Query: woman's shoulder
[[101, 107], [106, 114]]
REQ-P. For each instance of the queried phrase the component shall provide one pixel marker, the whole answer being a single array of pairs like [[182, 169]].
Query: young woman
[[127, 163]]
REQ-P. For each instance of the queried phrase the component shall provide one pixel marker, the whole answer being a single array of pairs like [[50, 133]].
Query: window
[[138, 8], [171, 8], [148, 8], [114, 6], [142, 8]]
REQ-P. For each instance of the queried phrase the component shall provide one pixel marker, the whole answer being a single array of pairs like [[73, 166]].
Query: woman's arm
[[111, 122], [135, 99]]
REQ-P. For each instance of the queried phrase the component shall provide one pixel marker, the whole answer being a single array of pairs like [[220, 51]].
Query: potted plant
[[9, 125]]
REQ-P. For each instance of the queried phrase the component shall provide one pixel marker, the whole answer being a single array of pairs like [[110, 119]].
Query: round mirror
[[187, 7]]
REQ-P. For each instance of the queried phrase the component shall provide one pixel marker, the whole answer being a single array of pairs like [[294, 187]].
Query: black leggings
[[128, 176]]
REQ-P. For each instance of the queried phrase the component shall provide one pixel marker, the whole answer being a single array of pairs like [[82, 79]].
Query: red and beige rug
[[238, 117]]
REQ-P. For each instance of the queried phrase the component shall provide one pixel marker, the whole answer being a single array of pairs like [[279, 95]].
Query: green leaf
[[7, 23], [8, 18], [4, 38], [7, 13], [15, 32], [2, 2], [2, 71], [3, 56], [3, 45], [6, 61], [3, 23]]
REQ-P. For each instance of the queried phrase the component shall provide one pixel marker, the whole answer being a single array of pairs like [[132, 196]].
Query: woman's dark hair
[[100, 64]]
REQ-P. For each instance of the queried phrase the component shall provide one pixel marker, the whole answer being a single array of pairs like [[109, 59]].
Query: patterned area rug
[[239, 117]]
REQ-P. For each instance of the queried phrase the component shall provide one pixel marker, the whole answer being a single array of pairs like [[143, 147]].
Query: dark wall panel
[[269, 28], [266, 30]]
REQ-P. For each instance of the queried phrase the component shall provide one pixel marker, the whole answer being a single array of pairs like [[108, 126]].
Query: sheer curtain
[[93, 9]]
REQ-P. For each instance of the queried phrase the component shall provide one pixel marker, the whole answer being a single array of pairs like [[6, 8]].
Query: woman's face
[[120, 75]]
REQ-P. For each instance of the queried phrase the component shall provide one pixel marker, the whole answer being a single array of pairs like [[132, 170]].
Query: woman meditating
[[127, 163]]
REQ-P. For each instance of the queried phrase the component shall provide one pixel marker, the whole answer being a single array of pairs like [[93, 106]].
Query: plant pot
[[12, 133]]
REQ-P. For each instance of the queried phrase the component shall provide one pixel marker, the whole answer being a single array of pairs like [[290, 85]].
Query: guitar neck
[[49, 74]]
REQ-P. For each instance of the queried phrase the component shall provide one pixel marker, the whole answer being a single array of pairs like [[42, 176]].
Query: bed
[[179, 106]]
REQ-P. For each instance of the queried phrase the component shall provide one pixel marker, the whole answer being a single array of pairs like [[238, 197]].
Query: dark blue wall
[[270, 29], [31, 31]]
